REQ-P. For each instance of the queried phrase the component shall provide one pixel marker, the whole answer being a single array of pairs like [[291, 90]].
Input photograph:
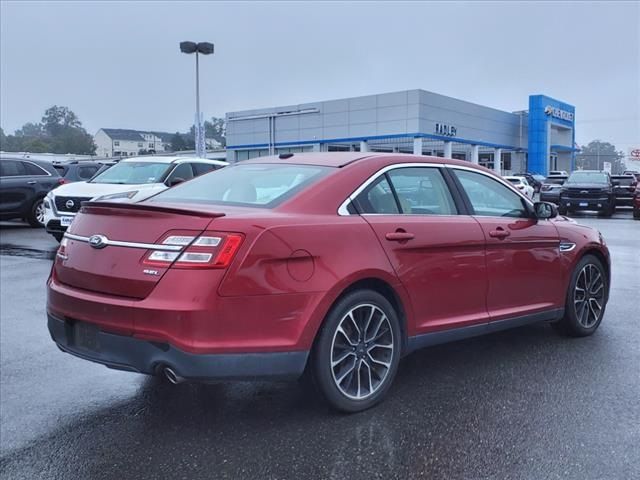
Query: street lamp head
[[188, 47], [205, 48]]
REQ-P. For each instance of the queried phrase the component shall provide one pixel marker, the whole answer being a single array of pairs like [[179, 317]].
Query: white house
[[120, 142]]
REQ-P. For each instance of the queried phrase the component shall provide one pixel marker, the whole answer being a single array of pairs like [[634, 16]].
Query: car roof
[[172, 159], [342, 159]]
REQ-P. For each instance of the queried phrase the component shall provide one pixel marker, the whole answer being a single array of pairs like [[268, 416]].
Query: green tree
[[3, 139], [177, 142], [593, 156], [215, 128], [56, 119], [30, 130]]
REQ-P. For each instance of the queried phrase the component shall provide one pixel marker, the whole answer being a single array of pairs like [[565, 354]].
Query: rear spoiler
[[95, 207]]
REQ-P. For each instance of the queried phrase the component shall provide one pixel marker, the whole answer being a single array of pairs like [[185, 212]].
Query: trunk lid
[[117, 268]]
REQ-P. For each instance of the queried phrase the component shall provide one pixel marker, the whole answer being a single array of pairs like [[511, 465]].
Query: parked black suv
[[77, 170], [588, 190], [23, 185]]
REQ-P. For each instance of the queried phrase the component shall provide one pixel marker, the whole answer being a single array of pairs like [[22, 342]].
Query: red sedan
[[333, 265]]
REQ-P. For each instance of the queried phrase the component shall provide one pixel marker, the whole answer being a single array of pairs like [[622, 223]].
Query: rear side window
[[202, 168], [490, 198], [86, 172], [12, 168], [33, 169], [262, 185], [377, 198], [625, 181]]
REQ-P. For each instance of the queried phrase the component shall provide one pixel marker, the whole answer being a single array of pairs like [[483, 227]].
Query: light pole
[[205, 48]]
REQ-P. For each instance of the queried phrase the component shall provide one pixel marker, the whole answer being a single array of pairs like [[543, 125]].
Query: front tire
[[357, 353], [586, 299], [36, 214]]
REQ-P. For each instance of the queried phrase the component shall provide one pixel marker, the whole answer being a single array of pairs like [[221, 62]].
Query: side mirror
[[175, 181], [545, 210]]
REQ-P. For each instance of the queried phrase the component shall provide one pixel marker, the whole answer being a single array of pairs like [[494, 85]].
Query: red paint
[[292, 263]]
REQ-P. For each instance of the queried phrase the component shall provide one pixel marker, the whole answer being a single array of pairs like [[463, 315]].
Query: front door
[[523, 255], [437, 254]]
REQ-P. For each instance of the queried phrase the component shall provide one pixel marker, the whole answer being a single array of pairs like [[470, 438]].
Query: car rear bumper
[[53, 226], [124, 352], [624, 201]]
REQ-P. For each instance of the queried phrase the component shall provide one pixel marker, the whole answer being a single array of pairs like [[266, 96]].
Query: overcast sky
[[117, 64]]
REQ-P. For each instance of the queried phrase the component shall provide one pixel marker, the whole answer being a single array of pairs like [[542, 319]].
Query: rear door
[[437, 254], [523, 254]]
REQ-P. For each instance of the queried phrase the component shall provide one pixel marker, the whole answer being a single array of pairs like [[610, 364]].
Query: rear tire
[[586, 299], [636, 214], [57, 236], [357, 352], [36, 214]]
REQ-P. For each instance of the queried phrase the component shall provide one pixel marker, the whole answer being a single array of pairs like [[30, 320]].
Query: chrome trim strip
[[567, 246], [342, 209], [118, 243]]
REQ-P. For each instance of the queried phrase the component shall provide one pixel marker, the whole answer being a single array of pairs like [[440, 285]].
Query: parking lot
[[521, 404]]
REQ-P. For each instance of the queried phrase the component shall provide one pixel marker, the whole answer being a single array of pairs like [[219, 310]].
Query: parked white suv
[[521, 184], [130, 180]]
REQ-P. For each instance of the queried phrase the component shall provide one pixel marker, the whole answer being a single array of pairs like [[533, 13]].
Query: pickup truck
[[588, 190]]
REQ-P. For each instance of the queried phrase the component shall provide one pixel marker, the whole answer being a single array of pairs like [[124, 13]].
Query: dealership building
[[537, 140]]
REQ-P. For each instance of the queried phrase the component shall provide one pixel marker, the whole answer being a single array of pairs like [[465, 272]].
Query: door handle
[[31, 182], [500, 233], [399, 236]]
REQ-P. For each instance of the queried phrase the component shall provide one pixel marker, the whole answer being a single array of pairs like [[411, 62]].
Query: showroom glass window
[[489, 197]]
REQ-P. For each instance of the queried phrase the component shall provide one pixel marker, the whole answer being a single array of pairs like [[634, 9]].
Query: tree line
[[59, 131]]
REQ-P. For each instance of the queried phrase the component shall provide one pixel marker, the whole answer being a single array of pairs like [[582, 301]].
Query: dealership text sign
[[558, 113], [446, 130]]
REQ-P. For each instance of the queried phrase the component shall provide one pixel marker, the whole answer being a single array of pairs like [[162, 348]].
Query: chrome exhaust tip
[[172, 376]]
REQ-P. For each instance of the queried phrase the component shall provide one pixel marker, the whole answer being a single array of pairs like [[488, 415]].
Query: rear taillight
[[61, 181], [209, 250]]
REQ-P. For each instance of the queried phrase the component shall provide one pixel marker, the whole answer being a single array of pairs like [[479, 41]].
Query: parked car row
[[48, 194], [130, 180]]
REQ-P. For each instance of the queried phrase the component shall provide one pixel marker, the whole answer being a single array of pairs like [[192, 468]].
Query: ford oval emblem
[[98, 241], [70, 204]]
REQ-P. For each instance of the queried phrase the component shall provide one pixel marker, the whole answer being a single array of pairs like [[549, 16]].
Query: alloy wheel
[[40, 213], [362, 351], [588, 295]]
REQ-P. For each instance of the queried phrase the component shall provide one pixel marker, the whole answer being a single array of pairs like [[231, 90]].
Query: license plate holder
[[66, 221], [584, 204], [85, 336]]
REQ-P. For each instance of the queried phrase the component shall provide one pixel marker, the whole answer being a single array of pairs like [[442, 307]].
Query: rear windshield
[[262, 185], [515, 181], [133, 173], [588, 177], [555, 180]]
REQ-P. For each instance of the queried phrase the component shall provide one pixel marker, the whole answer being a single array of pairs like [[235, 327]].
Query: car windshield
[[588, 177], [133, 173], [264, 185], [515, 181]]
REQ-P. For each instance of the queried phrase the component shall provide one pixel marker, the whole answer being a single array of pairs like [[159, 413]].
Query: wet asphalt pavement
[[521, 404]]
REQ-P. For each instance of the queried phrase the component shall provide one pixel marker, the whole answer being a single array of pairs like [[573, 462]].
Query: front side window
[[422, 191], [133, 173], [261, 185], [489, 197], [182, 171]]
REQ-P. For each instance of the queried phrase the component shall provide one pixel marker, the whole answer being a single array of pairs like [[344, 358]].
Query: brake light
[[61, 181], [209, 250]]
